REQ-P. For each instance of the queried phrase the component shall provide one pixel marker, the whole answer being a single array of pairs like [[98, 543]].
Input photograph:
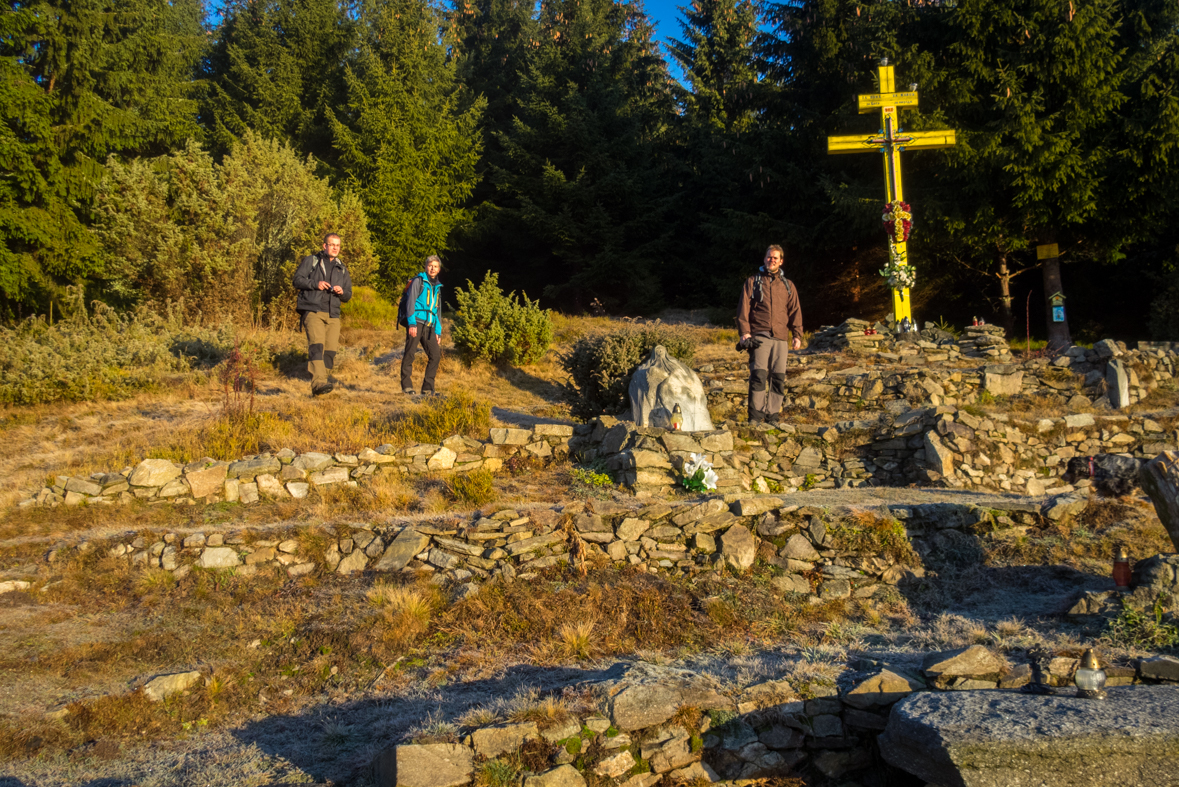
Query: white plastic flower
[[696, 462]]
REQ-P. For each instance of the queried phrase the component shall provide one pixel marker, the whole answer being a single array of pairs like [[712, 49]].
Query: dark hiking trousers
[[429, 341]]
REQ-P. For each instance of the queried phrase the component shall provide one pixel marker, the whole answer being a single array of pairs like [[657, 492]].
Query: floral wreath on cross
[[898, 221]]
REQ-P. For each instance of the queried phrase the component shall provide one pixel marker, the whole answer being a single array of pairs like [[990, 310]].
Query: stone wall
[[683, 538], [939, 446], [286, 474], [918, 375], [658, 724]]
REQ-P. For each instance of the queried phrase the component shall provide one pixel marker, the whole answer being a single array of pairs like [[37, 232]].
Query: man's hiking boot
[[320, 390], [756, 417], [408, 391]]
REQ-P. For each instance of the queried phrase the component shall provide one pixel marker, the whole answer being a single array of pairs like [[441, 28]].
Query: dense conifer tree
[[719, 138], [584, 187], [720, 64], [407, 141], [81, 80], [277, 68], [1067, 133]]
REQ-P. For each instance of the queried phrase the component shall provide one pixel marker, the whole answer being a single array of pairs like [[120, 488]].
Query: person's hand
[[413, 331], [797, 343], [323, 285], [746, 337], [338, 290]]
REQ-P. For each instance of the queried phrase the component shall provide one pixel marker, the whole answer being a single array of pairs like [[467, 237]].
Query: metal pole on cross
[[890, 141]]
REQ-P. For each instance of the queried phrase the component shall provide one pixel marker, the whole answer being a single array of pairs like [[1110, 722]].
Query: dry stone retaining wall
[[666, 725], [938, 446], [916, 374], [678, 538], [286, 474]]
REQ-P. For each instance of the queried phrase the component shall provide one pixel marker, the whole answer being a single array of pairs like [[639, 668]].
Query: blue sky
[[666, 17], [667, 25]]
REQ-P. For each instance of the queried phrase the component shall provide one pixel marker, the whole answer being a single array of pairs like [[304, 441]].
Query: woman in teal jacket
[[425, 325]]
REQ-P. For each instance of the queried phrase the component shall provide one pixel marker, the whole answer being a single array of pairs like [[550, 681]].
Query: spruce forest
[[169, 151]]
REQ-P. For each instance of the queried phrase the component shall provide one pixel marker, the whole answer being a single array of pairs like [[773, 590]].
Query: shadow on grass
[[337, 742]]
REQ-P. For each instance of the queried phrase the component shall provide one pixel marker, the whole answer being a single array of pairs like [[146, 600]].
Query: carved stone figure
[[659, 384]]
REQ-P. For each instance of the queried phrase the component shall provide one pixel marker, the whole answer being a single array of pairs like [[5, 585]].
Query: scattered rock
[[164, 686], [425, 765], [564, 776]]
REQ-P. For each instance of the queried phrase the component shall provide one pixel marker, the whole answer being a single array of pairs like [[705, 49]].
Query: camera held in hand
[[748, 345]]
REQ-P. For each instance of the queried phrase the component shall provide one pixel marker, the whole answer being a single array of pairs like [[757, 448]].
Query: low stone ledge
[[1001, 739]]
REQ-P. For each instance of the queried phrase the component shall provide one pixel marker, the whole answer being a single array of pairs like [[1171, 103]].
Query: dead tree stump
[[1160, 479]]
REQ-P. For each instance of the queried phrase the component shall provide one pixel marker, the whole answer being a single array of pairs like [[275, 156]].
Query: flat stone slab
[[1007, 739]]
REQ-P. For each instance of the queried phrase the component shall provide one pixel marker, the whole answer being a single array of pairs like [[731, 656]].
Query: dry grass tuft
[[474, 489], [459, 412], [529, 705], [407, 612], [481, 716], [577, 638]]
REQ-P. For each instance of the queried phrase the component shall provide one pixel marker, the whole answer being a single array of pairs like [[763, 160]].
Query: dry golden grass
[[577, 638], [268, 644]]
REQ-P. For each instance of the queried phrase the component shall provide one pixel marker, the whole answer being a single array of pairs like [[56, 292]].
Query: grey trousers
[[767, 375]]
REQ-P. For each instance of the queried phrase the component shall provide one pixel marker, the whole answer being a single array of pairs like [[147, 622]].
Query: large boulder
[[659, 384], [649, 694], [1001, 739]]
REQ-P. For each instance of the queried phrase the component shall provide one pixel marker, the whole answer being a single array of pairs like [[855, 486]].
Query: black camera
[[748, 345]]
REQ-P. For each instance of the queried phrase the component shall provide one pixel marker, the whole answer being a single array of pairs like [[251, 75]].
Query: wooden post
[[1160, 479]]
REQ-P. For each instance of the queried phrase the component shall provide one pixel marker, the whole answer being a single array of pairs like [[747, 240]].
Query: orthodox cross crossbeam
[[890, 141]]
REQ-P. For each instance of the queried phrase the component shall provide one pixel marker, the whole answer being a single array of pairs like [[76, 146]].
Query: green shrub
[[223, 236], [499, 328], [590, 478], [1133, 629], [100, 355], [600, 367]]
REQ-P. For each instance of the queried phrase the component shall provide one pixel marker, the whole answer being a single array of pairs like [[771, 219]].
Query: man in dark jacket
[[767, 314], [424, 325], [323, 284]]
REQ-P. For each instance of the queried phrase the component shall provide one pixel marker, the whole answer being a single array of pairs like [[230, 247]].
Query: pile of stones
[[944, 446], [851, 333], [920, 372], [985, 341]]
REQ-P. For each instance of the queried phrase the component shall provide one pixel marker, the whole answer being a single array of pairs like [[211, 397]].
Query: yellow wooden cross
[[890, 141]]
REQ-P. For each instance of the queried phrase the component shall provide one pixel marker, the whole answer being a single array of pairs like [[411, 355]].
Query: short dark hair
[[331, 235]]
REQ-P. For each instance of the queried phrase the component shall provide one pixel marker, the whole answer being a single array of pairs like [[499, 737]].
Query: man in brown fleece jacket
[[767, 314]]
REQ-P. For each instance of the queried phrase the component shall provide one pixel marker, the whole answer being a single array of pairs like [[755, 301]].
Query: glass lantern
[[1090, 678]]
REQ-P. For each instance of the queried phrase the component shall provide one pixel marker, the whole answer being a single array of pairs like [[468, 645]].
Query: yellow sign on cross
[[891, 140]]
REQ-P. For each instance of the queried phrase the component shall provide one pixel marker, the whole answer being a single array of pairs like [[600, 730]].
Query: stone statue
[[662, 382]]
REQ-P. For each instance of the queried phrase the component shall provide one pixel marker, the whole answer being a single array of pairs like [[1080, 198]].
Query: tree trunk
[[1160, 480], [1058, 334], [1006, 314]]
